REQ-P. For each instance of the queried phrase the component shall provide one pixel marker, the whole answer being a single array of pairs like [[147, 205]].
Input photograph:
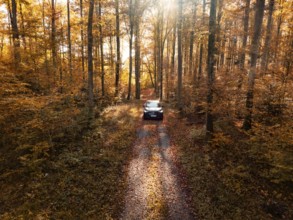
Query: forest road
[[154, 190]]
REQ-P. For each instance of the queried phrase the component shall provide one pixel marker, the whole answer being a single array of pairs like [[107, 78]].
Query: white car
[[153, 109]]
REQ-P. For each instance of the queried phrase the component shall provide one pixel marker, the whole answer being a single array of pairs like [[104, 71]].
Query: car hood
[[153, 108]]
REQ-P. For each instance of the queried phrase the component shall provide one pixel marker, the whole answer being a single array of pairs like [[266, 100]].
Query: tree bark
[[69, 40], [264, 60], [101, 50], [118, 61], [245, 34], [201, 42], [210, 68], [130, 47], [191, 70], [23, 35], [258, 18], [179, 34], [90, 54], [137, 50], [53, 39], [82, 39], [15, 33], [45, 44], [173, 55]]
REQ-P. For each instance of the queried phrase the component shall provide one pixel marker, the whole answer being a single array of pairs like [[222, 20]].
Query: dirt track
[[154, 190]]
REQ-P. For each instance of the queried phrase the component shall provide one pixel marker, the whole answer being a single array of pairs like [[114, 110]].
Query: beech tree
[[131, 27], [69, 40], [137, 49], [15, 32], [53, 39], [264, 60], [179, 34], [118, 56], [101, 49], [258, 18], [90, 53], [210, 68], [82, 40]]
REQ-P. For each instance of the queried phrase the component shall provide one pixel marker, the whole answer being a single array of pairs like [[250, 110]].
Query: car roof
[[153, 101]]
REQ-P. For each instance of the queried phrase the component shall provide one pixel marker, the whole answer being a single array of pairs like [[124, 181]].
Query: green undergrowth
[[53, 166], [239, 175]]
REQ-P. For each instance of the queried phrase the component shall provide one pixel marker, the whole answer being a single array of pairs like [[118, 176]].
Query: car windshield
[[153, 104]]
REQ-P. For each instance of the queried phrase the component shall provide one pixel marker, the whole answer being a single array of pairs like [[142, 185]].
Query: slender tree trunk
[[118, 62], [179, 33], [69, 40], [253, 56], [130, 47], [53, 39], [168, 69], [264, 60], [61, 54], [243, 49], [90, 54], [245, 34], [155, 61], [137, 50], [82, 40], [111, 52], [211, 68], [22, 26], [101, 49], [45, 44], [279, 24], [173, 54], [191, 70], [161, 53], [201, 42], [15, 33], [218, 32]]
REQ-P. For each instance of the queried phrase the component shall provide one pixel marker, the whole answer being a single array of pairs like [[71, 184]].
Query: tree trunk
[[245, 34], [264, 60], [15, 34], [45, 43], [243, 50], [90, 54], [210, 68], [101, 50], [191, 70], [161, 53], [118, 61], [69, 40], [53, 40], [173, 55], [201, 42], [82, 43], [253, 57], [218, 32], [179, 33], [130, 48], [22, 26], [137, 50]]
